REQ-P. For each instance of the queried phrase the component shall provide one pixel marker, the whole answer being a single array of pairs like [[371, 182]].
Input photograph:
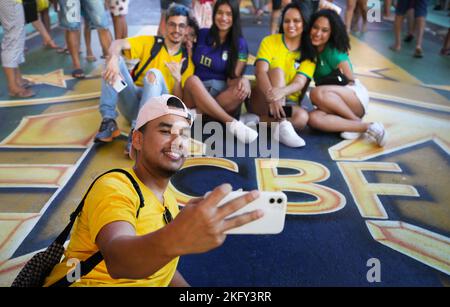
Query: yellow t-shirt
[[113, 198], [273, 50], [141, 47]]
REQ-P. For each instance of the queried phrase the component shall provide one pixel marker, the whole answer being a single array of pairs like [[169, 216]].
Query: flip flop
[[62, 50], [78, 73], [25, 93], [418, 53], [27, 83], [91, 58], [393, 48]]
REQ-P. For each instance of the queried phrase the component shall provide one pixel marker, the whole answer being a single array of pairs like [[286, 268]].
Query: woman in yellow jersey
[[284, 65]]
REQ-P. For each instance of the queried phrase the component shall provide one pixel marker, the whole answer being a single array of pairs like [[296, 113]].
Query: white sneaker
[[377, 131], [285, 134], [243, 133], [350, 135], [249, 119]]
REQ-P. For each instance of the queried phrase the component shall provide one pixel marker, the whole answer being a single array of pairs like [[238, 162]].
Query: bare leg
[[337, 100], [397, 32], [420, 27], [198, 97], [274, 17], [363, 12], [162, 24], [351, 4], [338, 109], [120, 27], [105, 39], [46, 38], [387, 8], [45, 17], [15, 88], [87, 40], [73, 44], [410, 21], [323, 121]]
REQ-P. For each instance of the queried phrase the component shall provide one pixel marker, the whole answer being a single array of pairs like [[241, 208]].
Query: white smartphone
[[119, 84], [274, 206]]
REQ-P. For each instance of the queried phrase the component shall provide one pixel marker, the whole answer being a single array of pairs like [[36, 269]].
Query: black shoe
[[108, 131]]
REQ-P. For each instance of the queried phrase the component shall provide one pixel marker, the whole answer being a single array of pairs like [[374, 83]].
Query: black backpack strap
[[185, 56], [156, 48], [89, 264]]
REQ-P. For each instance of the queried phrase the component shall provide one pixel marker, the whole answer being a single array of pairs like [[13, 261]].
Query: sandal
[[27, 83], [24, 93], [62, 50], [78, 73], [394, 48], [51, 45], [91, 58], [418, 53]]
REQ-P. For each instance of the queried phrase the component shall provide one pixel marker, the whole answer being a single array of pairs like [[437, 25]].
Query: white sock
[[285, 134], [243, 133]]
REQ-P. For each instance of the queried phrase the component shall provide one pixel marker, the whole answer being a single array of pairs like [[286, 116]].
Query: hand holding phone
[[274, 206], [287, 111], [119, 84]]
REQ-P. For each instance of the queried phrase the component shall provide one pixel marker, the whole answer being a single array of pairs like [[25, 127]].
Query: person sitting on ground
[[339, 108], [163, 69], [220, 56], [143, 249], [70, 20], [284, 67]]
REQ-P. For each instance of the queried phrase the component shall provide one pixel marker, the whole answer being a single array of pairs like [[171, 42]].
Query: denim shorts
[[166, 3], [92, 10], [215, 87], [419, 6]]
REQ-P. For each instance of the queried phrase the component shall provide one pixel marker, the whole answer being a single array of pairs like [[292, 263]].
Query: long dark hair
[[307, 51], [233, 36], [338, 37]]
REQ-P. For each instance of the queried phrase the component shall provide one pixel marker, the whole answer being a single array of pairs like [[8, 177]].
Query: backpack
[[36, 270], [157, 45]]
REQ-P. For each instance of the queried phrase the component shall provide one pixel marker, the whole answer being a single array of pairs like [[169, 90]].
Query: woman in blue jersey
[[220, 56], [339, 108]]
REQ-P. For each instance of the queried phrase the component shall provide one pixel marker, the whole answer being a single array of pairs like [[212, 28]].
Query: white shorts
[[361, 92], [118, 7]]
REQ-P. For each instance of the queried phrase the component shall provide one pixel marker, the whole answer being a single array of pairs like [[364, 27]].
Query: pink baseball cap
[[159, 106]]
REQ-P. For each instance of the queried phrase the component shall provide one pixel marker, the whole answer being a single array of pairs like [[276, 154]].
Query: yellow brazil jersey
[[113, 198], [273, 50], [141, 47]]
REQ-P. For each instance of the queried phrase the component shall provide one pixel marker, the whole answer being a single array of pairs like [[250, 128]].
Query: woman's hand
[[275, 94], [276, 110], [243, 89]]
